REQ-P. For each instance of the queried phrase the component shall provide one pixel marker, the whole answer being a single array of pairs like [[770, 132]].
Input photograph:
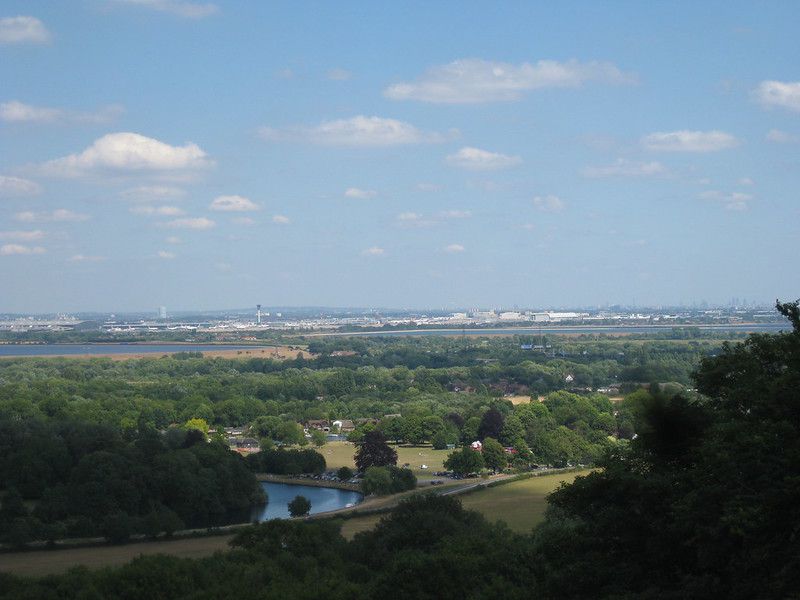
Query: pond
[[322, 500]]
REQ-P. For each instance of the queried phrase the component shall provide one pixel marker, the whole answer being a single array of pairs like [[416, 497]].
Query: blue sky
[[208, 155]]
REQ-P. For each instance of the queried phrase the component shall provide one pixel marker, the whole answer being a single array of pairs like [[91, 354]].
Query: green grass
[[340, 454], [520, 504]]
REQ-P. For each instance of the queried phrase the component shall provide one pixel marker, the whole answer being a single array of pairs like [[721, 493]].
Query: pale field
[[48, 562], [518, 399], [272, 352]]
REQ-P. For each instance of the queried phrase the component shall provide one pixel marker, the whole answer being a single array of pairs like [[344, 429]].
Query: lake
[[98, 349], [322, 500]]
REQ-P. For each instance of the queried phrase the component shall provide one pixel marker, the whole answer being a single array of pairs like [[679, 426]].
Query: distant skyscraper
[[162, 312], [258, 314]]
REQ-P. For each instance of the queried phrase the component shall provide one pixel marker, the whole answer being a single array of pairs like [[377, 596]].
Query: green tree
[[464, 461], [344, 473], [299, 506], [318, 438], [377, 480], [373, 451], [494, 455]]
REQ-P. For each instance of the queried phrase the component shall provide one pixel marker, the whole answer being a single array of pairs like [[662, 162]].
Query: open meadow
[[520, 504], [340, 454]]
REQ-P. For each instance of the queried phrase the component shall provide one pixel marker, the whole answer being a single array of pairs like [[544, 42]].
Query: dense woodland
[[702, 504], [99, 447]]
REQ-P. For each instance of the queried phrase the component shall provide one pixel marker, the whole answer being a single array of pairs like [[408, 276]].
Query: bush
[[344, 473]]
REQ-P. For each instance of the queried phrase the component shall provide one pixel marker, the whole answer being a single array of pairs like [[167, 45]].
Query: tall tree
[[373, 451]]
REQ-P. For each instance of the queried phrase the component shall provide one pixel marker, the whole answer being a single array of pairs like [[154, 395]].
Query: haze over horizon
[[178, 153]]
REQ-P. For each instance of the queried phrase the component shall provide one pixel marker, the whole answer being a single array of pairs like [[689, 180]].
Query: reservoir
[[322, 500], [100, 349]]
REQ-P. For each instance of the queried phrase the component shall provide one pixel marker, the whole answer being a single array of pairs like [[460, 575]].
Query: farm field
[[40, 563]]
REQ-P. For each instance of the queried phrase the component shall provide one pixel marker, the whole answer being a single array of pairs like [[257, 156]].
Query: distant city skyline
[[192, 154]]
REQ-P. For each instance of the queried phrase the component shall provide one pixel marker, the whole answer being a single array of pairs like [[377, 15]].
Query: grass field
[[520, 504], [340, 454], [39, 563]]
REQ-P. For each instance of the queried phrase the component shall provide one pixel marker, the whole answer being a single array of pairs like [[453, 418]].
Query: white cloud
[[23, 30], [374, 251], [166, 255], [22, 236], [281, 220], [626, 168], [689, 141], [455, 214], [60, 215], [454, 248], [781, 94], [129, 152], [354, 192], [355, 131], [16, 112], [86, 258], [782, 137], [736, 201], [13, 187], [14, 249], [549, 203], [198, 223], [476, 159], [409, 216], [181, 8], [159, 211], [152, 193], [429, 187], [745, 181], [339, 74], [233, 204], [472, 81], [173, 239], [19, 112], [244, 221]]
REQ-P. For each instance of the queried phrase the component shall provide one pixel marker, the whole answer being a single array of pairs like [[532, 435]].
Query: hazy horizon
[[179, 153]]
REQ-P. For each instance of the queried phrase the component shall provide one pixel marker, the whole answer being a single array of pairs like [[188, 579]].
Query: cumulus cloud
[[355, 131], [198, 223], [473, 81], [244, 221], [60, 215], [626, 168], [15, 249], [780, 94], [166, 255], [81, 258], [158, 211], [281, 220], [152, 193], [360, 194], [19, 112], [454, 248], [782, 137], [476, 159], [689, 141], [736, 201], [550, 203], [16, 112], [129, 152], [412, 219], [233, 204], [180, 8], [374, 251], [15, 187], [22, 236], [23, 30], [339, 74], [455, 214]]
